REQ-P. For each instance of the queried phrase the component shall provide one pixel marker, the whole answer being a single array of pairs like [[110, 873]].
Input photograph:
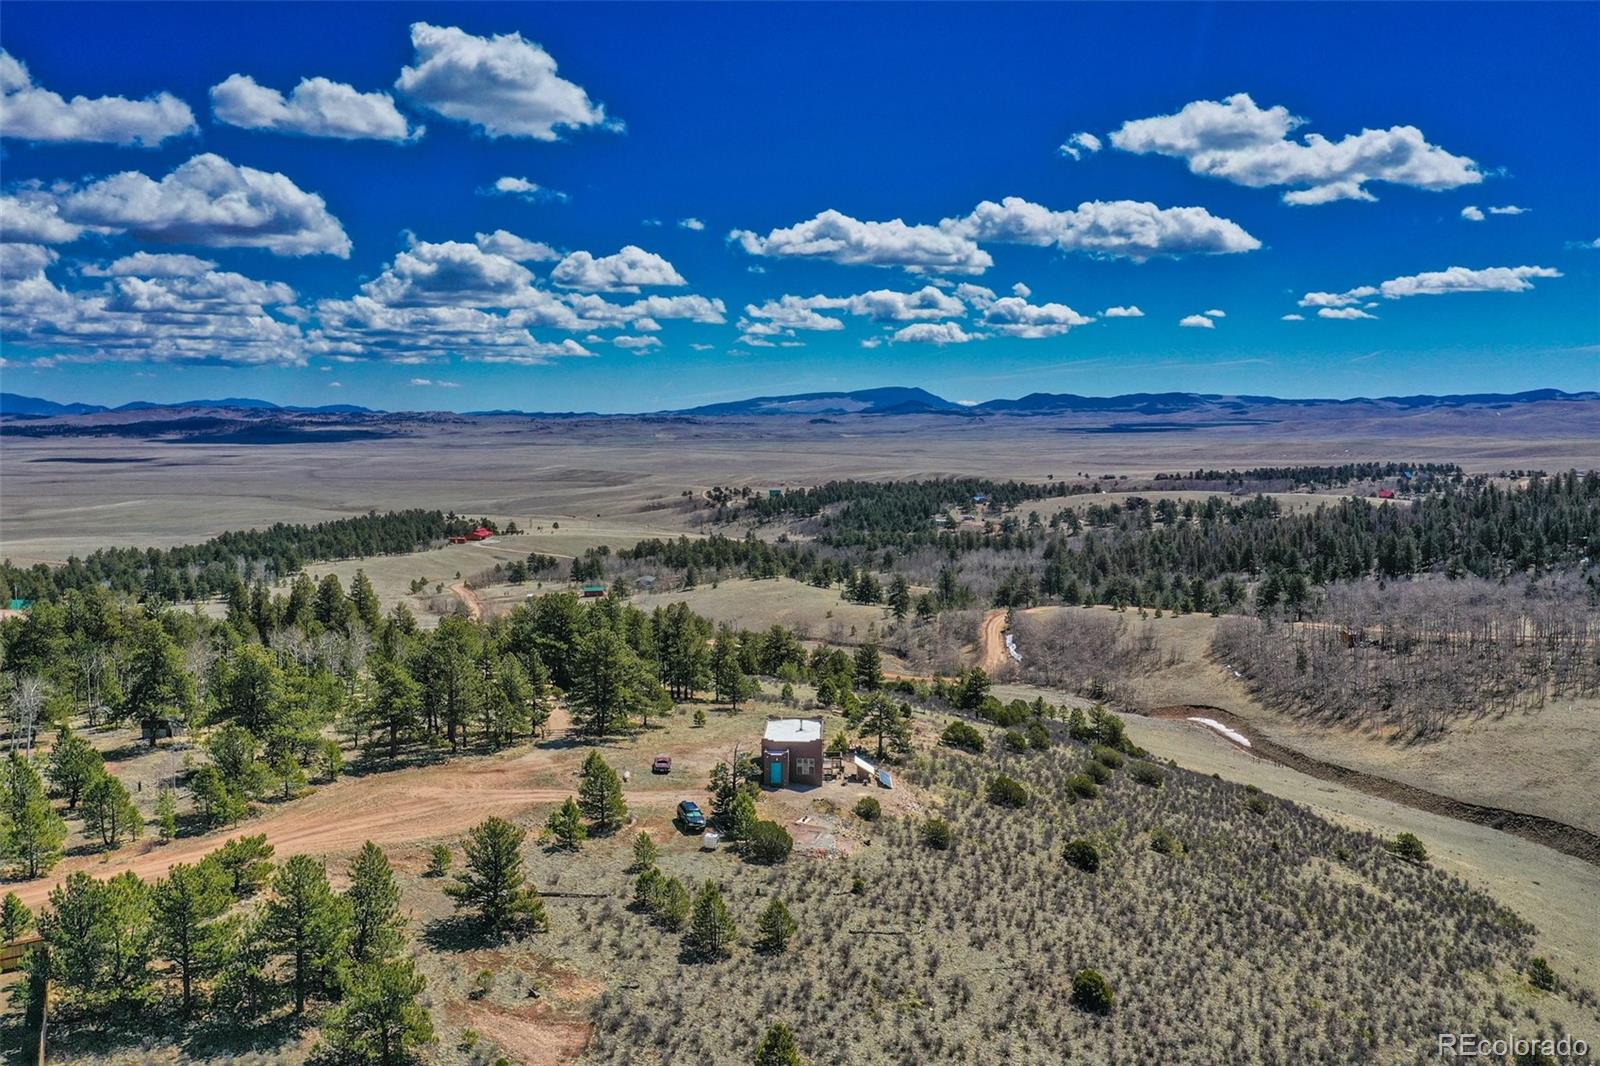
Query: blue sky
[[1377, 198]]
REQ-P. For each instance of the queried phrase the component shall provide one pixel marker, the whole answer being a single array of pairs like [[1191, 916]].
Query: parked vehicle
[[662, 765], [691, 817]]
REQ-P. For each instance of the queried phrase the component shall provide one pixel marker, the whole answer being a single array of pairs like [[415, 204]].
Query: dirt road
[[401, 806], [992, 642], [469, 597]]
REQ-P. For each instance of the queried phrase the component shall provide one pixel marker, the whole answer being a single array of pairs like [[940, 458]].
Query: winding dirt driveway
[[387, 807], [992, 642]]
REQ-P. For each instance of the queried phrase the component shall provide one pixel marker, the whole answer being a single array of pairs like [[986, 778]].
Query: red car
[[662, 765]]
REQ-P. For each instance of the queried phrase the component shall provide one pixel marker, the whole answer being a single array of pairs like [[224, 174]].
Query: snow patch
[[1011, 648], [1233, 735]]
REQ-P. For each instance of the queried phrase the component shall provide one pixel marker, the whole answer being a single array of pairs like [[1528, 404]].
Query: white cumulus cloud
[[691, 223], [626, 271], [35, 218], [504, 85], [1238, 141], [1016, 317], [1346, 313], [939, 333], [1196, 322], [211, 202], [1472, 214], [153, 265], [516, 248], [1127, 228], [316, 107], [31, 113], [1122, 312], [839, 238]]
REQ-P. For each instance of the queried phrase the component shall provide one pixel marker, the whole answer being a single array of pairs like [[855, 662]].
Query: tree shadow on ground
[[459, 932]]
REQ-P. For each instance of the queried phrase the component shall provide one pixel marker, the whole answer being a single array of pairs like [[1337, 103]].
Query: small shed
[[1386, 494], [154, 729], [594, 591], [791, 752], [862, 770], [773, 494]]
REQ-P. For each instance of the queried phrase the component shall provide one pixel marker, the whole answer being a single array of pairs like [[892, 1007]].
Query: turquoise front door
[[775, 773]]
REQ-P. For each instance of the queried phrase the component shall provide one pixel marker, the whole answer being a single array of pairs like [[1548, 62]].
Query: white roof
[[793, 730]]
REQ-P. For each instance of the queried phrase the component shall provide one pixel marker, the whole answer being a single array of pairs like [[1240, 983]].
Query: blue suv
[[691, 817]]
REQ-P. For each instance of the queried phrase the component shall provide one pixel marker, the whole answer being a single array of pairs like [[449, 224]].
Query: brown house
[[791, 752]]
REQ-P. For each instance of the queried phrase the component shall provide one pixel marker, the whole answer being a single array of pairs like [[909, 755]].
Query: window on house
[[805, 767]]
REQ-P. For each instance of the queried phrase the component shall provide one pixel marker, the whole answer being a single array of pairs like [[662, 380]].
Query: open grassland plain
[[155, 493]]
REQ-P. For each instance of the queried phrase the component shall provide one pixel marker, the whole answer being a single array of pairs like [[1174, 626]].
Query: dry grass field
[[68, 496]]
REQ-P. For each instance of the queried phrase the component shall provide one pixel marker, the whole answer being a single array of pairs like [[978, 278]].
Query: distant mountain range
[[893, 400], [13, 404]]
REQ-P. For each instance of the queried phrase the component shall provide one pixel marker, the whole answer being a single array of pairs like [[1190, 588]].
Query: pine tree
[[726, 670], [674, 905], [711, 930], [72, 766], [108, 811], [158, 685], [377, 928], [365, 600], [34, 833], [493, 880], [565, 825], [889, 723], [381, 1018], [600, 795], [247, 862], [868, 672], [900, 597], [188, 934], [99, 936], [305, 922], [15, 918], [774, 927], [645, 851], [166, 815], [331, 606], [607, 678], [397, 703]]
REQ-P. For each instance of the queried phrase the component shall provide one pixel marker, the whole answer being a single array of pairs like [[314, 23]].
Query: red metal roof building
[[481, 533]]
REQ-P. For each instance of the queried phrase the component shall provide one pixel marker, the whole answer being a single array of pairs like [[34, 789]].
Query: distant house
[[1386, 494], [593, 592], [773, 494], [458, 540], [481, 533], [791, 752]]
